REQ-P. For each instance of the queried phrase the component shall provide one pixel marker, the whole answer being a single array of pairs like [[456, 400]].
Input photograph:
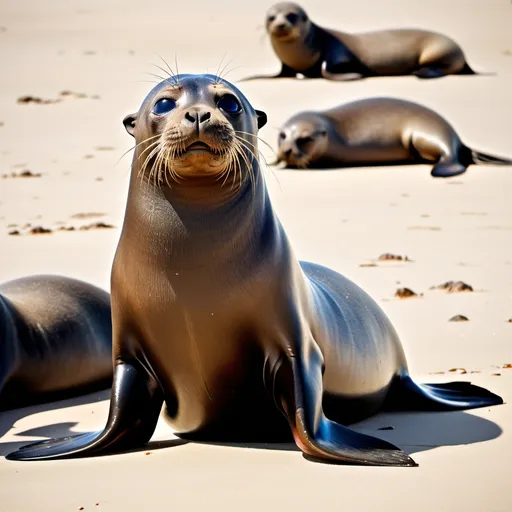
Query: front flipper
[[407, 394], [429, 72], [298, 390], [447, 169], [135, 404], [337, 73]]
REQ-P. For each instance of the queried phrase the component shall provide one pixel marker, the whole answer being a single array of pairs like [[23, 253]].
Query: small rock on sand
[[459, 318], [405, 293]]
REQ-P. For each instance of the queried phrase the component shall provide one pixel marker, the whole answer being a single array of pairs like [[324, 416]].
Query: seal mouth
[[201, 147], [281, 33]]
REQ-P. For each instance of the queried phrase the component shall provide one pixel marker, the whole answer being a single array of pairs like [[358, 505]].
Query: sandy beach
[[91, 63]]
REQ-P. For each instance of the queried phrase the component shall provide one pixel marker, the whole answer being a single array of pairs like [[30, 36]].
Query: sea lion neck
[[189, 232]]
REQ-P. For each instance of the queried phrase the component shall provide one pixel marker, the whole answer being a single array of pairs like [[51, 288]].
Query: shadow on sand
[[413, 432]]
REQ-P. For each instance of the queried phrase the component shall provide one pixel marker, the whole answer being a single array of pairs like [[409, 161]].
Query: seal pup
[[305, 48], [214, 315], [376, 131], [55, 340]]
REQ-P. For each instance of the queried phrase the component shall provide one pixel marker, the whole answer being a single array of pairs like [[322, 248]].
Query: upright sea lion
[[376, 131], [213, 314], [55, 339], [315, 52]]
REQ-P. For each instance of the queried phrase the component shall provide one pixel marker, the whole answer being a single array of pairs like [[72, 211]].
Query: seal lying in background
[[315, 52], [213, 314], [55, 340], [376, 131]]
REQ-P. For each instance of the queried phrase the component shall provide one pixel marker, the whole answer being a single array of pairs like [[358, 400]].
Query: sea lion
[[376, 131], [55, 340], [316, 52], [214, 315]]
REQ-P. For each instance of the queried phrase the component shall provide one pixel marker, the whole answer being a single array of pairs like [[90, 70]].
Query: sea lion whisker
[[177, 68], [260, 139], [170, 76], [229, 167], [152, 153], [170, 71], [143, 167], [221, 75], [254, 158], [153, 150], [242, 150], [151, 145], [217, 74], [236, 167], [154, 168], [250, 147], [137, 145], [174, 152], [231, 70], [252, 178], [161, 78]]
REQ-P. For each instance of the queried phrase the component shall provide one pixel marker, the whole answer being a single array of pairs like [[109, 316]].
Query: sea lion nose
[[281, 26], [197, 116]]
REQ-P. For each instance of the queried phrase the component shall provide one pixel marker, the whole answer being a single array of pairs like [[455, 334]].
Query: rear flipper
[[405, 394], [286, 72], [297, 389], [135, 404], [486, 159]]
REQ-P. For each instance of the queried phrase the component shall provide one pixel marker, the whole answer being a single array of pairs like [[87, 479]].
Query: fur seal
[[214, 315], [315, 52], [376, 131], [55, 340]]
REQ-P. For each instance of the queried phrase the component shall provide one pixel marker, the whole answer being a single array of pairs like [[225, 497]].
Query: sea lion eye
[[229, 104], [304, 140], [282, 136], [292, 17], [163, 106], [270, 19]]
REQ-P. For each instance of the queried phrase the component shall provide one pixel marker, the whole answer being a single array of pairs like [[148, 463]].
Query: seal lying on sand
[[316, 52], [55, 340], [213, 314], [376, 131]]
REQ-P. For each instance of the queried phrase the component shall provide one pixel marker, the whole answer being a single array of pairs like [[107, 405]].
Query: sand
[[456, 229]]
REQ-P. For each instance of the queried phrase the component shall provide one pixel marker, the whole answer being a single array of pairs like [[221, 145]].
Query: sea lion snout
[[196, 117]]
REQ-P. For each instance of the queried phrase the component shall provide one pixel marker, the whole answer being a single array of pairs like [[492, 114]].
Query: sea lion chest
[[199, 322], [297, 54]]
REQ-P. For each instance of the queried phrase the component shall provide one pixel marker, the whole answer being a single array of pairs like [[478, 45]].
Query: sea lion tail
[[468, 70], [406, 394], [478, 157]]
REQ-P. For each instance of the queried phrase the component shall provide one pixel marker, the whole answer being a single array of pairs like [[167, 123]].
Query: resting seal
[[55, 340], [376, 131], [315, 52], [213, 314]]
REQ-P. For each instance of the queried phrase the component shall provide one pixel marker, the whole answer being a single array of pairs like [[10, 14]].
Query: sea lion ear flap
[[129, 123], [262, 118]]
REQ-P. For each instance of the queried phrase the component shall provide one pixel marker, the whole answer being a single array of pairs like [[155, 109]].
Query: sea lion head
[[192, 127], [287, 21], [302, 139]]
